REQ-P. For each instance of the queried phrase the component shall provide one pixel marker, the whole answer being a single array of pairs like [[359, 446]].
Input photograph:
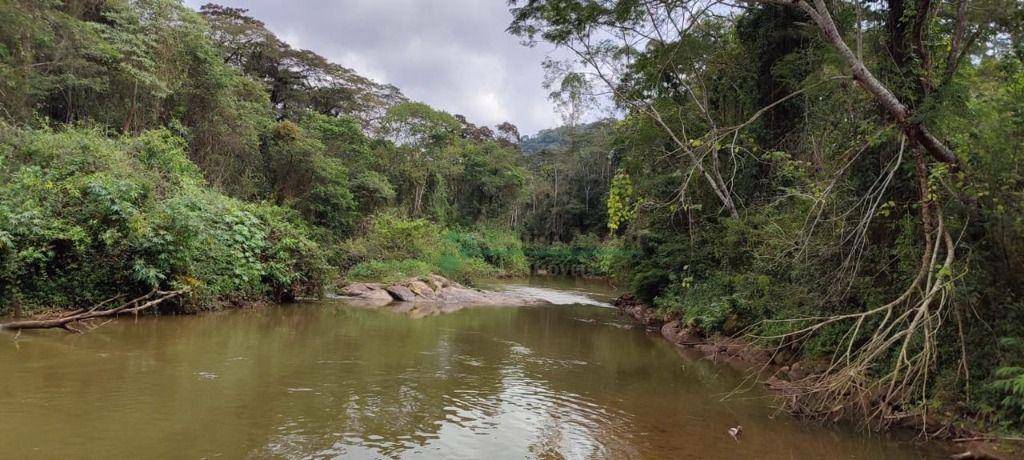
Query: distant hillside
[[558, 138]]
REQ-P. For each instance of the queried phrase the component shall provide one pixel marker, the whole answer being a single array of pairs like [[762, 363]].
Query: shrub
[[587, 254], [1009, 383], [390, 271], [395, 247], [499, 248], [85, 217]]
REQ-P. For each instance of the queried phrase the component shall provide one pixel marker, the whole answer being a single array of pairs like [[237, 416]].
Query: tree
[[571, 169], [297, 80], [425, 152]]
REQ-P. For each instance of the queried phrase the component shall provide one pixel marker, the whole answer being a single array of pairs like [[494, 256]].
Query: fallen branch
[[989, 439], [134, 306]]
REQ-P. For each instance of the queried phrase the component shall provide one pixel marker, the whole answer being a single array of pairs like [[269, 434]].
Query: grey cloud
[[451, 54]]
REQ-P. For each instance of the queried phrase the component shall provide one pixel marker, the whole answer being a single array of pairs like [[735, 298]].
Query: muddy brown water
[[324, 380]]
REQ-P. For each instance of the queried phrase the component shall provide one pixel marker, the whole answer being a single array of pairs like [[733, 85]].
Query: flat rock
[[428, 295], [375, 294], [401, 293], [358, 289], [421, 289], [369, 298]]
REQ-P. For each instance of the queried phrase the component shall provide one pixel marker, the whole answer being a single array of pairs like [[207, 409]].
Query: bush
[[1009, 383], [390, 270], [586, 255], [86, 217], [395, 247], [499, 248]]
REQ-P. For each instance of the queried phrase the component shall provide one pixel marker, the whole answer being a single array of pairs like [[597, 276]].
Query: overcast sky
[[451, 54]]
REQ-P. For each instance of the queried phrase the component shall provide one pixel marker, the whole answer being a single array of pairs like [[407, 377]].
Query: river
[[325, 380]]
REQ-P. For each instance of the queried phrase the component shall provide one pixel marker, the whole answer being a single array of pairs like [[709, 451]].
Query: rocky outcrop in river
[[428, 295]]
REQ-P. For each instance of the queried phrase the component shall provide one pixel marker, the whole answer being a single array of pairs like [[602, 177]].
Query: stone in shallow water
[[373, 297], [678, 333]]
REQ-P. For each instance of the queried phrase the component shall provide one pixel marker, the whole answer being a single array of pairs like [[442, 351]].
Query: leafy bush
[[390, 270], [395, 247], [587, 255], [1009, 382], [86, 217], [498, 247], [389, 236]]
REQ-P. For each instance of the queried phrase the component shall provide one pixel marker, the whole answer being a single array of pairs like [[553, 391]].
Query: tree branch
[[65, 322], [915, 131]]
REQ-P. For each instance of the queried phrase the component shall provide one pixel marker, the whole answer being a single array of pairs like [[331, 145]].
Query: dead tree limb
[[66, 321]]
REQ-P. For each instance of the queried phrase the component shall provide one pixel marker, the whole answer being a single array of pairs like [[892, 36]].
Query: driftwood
[[134, 306]]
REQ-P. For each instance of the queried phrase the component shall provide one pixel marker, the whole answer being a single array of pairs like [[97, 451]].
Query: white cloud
[[452, 54]]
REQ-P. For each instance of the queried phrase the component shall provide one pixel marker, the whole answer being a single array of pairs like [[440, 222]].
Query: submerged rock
[[640, 313]]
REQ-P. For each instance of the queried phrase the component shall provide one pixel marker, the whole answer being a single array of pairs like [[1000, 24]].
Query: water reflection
[[323, 381]]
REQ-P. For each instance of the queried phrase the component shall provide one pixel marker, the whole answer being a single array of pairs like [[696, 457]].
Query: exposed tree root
[[82, 316], [882, 363]]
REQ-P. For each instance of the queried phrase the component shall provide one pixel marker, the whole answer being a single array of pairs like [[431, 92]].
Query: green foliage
[[395, 247], [447, 169], [386, 271], [300, 81], [87, 217], [497, 247], [1009, 382], [586, 255], [185, 106], [571, 169], [621, 202], [303, 176]]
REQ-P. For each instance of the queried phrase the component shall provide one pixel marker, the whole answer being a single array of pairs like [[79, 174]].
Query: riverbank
[[416, 296], [783, 375]]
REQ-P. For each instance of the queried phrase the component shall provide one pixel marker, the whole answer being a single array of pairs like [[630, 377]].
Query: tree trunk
[[900, 113], [65, 322], [417, 199]]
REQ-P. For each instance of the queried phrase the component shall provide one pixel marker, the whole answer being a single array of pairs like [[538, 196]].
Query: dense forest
[[843, 182]]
